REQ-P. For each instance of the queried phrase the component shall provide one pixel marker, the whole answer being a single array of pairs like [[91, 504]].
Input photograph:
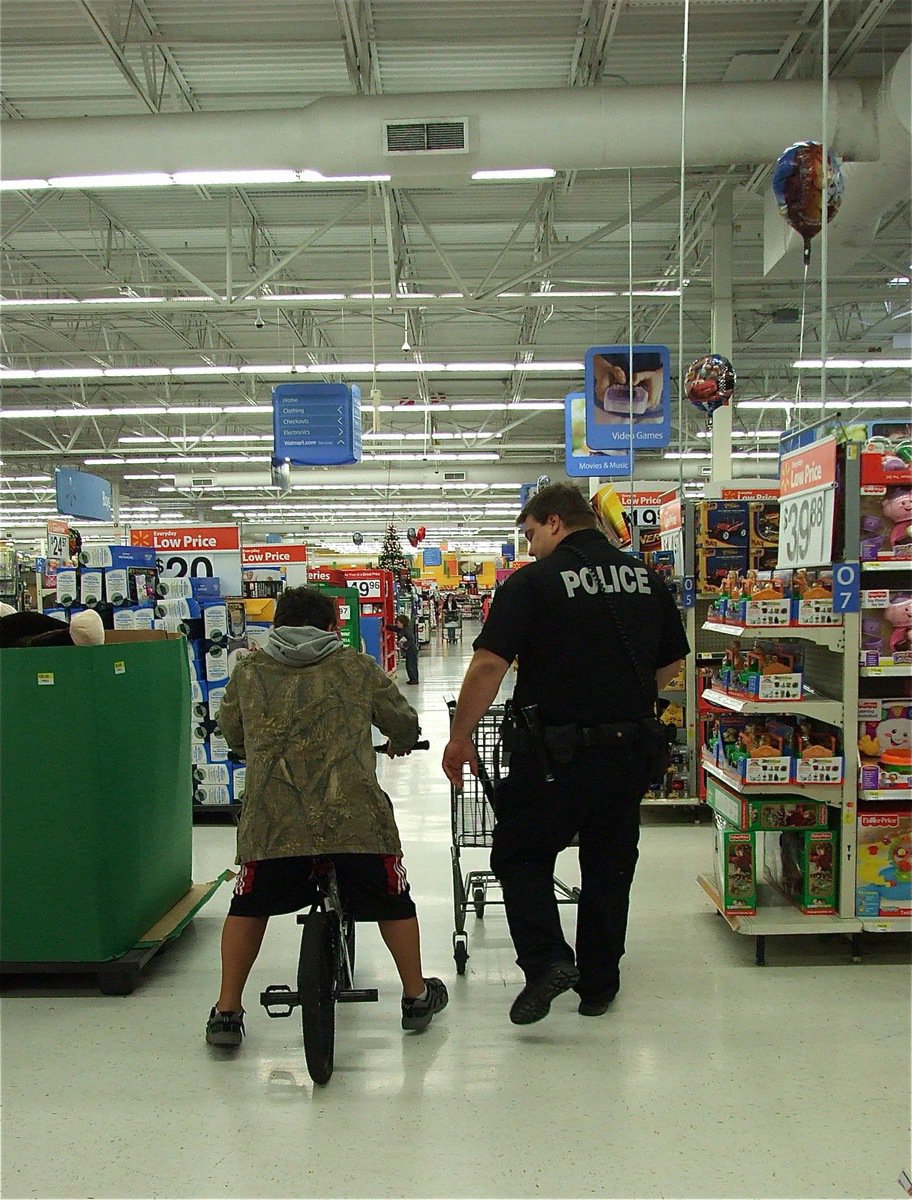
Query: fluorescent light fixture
[[516, 173], [233, 178], [408, 368], [879, 404], [432, 456], [190, 409], [275, 297], [868, 364], [538, 405], [266, 369], [308, 176], [135, 372], [755, 454], [738, 435], [688, 454], [69, 373], [207, 370], [549, 366], [23, 185], [142, 179]]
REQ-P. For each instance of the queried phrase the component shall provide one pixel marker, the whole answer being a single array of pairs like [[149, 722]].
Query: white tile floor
[[708, 1077]]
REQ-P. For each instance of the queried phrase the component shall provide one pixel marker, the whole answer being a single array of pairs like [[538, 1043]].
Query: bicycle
[[326, 964]]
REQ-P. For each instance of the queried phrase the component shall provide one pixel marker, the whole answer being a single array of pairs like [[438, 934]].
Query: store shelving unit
[[831, 667]]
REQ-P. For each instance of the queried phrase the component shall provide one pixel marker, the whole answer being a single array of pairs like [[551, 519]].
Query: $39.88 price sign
[[806, 506]]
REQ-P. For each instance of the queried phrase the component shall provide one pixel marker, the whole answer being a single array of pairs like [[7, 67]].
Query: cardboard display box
[[803, 865], [736, 869]]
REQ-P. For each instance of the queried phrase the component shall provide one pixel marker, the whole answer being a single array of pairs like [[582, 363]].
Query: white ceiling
[[150, 254]]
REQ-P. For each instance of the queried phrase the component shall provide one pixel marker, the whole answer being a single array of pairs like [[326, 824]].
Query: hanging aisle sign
[[197, 552], [610, 397], [580, 460], [316, 424], [806, 505]]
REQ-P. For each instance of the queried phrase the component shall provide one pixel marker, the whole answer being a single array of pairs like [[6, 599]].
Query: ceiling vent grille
[[454, 476], [425, 137]]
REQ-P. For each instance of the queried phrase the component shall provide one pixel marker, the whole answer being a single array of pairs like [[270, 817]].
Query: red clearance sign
[[272, 556], [207, 537]]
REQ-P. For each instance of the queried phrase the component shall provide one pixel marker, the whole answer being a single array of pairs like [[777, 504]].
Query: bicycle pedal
[[357, 995], [270, 1000]]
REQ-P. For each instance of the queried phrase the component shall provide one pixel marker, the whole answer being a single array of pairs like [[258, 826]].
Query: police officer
[[580, 755]]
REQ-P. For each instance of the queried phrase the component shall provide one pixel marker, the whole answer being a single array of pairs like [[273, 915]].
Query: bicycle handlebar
[[423, 745]]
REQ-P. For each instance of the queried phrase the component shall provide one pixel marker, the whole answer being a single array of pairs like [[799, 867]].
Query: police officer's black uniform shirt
[[572, 664]]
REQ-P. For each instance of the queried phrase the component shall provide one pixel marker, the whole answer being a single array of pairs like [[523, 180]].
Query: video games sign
[[628, 392]]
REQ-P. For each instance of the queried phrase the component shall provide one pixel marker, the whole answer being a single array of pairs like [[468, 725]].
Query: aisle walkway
[[708, 1077]]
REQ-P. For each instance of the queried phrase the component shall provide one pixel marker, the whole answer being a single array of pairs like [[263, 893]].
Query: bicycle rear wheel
[[317, 983]]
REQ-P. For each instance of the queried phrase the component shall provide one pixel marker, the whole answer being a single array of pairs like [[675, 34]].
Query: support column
[[722, 327]]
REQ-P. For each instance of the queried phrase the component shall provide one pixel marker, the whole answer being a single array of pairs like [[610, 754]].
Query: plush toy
[[36, 629], [899, 614], [897, 508]]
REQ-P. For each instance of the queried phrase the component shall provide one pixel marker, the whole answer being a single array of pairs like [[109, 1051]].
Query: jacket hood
[[300, 645]]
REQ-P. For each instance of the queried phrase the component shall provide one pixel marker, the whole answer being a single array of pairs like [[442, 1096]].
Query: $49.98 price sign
[[806, 506]]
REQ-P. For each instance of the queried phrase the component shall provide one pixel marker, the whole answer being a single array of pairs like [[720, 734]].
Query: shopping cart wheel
[[460, 952], [478, 899]]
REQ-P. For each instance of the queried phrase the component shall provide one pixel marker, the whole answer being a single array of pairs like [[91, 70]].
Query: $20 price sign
[[806, 506]]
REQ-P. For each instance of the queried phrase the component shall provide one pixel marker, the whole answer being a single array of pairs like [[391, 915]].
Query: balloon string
[[681, 251], [804, 288]]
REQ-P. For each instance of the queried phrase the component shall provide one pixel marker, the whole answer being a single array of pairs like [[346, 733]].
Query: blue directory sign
[[316, 424], [579, 458], [80, 494], [432, 557], [610, 397]]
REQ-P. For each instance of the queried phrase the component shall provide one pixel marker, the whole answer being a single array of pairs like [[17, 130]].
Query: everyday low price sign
[[806, 505], [197, 552]]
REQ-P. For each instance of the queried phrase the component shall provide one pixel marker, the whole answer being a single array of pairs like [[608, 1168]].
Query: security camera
[[259, 323], [405, 346]]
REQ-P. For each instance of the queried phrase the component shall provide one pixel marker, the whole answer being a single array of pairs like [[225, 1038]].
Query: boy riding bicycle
[[300, 712]]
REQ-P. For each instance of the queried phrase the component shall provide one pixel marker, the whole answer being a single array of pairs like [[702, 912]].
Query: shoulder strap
[[647, 684]]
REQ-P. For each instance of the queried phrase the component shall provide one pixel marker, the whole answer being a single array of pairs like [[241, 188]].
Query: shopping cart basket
[[472, 818]]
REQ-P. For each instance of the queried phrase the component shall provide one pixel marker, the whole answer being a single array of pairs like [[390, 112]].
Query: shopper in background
[[408, 645], [578, 739], [300, 713], [485, 606], [451, 618]]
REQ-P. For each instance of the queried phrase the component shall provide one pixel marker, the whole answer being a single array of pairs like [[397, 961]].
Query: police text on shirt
[[620, 579]]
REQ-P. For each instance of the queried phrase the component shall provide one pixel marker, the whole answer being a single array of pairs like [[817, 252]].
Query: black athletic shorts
[[373, 887]]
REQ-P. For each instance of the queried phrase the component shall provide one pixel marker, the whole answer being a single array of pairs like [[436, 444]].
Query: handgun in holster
[[537, 738]]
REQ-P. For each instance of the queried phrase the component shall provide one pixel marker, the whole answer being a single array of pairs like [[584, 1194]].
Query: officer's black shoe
[[534, 1001], [595, 1005]]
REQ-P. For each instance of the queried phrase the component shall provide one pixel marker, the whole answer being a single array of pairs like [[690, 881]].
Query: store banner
[[198, 552], [291, 560], [580, 460], [806, 505], [316, 424], [615, 403], [80, 494]]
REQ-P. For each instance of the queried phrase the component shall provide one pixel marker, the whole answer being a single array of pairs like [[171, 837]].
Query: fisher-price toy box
[[886, 628], [735, 864], [804, 865], [885, 744], [767, 671], [755, 814], [883, 862], [886, 508]]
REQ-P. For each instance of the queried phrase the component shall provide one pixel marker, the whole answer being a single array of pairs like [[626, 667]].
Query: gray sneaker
[[417, 1014], [225, 1029]]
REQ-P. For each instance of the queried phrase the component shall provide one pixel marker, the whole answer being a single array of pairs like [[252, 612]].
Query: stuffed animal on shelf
[[37, 629]]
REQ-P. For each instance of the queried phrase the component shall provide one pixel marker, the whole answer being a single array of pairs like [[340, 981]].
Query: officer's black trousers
[[595, 797]]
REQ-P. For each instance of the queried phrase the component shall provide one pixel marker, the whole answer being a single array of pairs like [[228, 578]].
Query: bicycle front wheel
[[317, 976]]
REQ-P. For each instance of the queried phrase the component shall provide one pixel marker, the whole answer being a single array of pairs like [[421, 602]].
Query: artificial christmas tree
[[392, 559]]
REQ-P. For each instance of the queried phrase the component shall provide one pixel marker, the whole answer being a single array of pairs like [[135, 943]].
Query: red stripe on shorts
[[396, 881], [244, 883]]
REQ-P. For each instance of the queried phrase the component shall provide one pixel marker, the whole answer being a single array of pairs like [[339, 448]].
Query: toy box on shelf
[[776, 599], [767, 671], [756, 813], [886, 628], [885, 744], [886, 506], [773, 750], [735, 863], [883, 870], [750, 750], [803, 864]]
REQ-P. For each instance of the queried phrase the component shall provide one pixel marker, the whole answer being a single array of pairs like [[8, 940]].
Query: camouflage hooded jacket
[[300, 711]]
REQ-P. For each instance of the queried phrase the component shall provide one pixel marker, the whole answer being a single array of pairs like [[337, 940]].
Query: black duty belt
[[572, 737]]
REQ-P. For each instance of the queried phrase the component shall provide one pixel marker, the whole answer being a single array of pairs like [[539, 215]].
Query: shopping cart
[[472, 816]]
